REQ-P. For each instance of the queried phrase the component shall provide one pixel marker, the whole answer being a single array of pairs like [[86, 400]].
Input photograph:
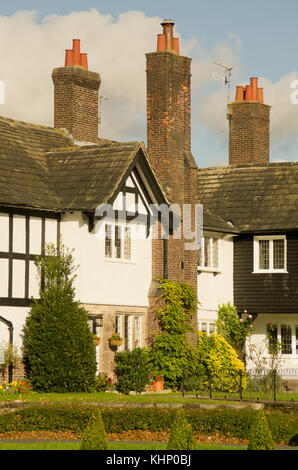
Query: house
[[63, 180], [260, 200]]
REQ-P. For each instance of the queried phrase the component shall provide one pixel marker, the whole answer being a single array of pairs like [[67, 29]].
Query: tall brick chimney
[[76, 96], [249, 126], [169, 149]]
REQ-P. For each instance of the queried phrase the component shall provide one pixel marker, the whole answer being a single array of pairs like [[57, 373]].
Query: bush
[[197, 381], [132, 370], [75, 418], [263, 382], [171, 354], [221, 362], [181, 436], [260, 437], [95, 437], [58, 344]]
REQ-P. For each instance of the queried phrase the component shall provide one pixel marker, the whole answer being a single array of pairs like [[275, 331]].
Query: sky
[[255, 38]]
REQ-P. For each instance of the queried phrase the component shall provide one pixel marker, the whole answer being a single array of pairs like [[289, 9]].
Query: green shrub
[[95, 437], [132, 370], [221, 361], [171, 354], [58, 344], [197, 381], [260, 437], [181, 436], [75, 418]]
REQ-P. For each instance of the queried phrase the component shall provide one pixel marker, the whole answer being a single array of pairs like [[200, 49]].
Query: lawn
[[56, 445], [174, 397]]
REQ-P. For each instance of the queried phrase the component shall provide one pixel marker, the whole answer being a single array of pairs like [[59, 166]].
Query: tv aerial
[[226, 79]]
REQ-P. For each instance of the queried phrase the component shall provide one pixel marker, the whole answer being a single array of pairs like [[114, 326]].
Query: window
[[129, 327], [286, 339], [270, 254], [209, 253], [127, 333], [137, 332], [272, 338], [117, 241], [207, 327]]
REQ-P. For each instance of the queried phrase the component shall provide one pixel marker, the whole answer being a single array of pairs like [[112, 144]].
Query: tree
[[58, 350], [233, 328], [260, 437], [171, 353], [95, 437], [181, 435]]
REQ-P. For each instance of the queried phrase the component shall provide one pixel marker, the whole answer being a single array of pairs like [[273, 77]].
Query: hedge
[[225, 422]]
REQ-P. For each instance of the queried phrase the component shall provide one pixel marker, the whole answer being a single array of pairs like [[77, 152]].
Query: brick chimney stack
[[169, 149], [76, 96], [249, 126]]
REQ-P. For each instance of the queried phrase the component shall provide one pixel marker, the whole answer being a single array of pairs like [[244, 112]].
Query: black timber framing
[[27, 256]]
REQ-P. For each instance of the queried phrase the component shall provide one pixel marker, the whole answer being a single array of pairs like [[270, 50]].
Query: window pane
[[278, 254], [215, 252], [286, 339], [127, 243], [207, 260], [204, 327], [263, 254], [117, 242], [127, 333], [108, 241], [137, 332], [211, 328], [272, 338]]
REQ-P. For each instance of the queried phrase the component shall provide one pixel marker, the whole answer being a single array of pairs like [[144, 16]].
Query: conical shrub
[[95, 437], [260, 437], [181, 436]]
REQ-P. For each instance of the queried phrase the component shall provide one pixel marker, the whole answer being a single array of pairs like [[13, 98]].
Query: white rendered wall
[[17, 316], [216, 288], [106, 281]]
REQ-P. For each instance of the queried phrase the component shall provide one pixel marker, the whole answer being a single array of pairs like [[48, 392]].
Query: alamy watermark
[[162, 221]]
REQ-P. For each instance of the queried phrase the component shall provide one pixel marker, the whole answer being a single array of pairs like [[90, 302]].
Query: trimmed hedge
[[75, 418]]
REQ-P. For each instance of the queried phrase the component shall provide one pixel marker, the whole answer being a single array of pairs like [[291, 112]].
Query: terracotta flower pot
[[115, 342], [158, 386]]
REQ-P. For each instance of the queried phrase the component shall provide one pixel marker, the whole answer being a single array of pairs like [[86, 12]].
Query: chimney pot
[[260, 95], [68, 57], [161, 42], [248, 93], [76, 51], [84, 60], [239, 93], [176, 45], [254, 85], [168, 32]]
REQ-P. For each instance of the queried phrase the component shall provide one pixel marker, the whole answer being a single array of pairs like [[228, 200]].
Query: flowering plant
[[11, 388], [115, 337], [103, 382]]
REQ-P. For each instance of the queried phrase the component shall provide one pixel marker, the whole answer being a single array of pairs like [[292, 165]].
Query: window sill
[[209, 270], [272, 271], [121, 261]]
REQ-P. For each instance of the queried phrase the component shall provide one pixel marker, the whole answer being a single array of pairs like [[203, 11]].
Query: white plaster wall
[[17, 315], [216, 289], [104, 281], [258, 340]]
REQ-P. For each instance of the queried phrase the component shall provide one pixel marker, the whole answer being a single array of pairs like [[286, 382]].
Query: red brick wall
[[76, 102], [249, 132]]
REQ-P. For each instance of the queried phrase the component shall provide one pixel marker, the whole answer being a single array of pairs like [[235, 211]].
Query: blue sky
[[261, 37]]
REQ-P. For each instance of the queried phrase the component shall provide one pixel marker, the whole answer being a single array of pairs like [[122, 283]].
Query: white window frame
[[208, 323], [212, 269], [294, 338], [113, 258], [270, 238]]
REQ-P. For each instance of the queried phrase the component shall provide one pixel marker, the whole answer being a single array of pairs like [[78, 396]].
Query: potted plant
[[115, 340], [96, 340], [158, 384]]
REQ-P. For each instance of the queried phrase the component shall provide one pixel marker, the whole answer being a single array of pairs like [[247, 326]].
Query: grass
[[56, 445], [174, 397]]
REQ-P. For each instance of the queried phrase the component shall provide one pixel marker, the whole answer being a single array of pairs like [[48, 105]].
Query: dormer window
[[270, 254]]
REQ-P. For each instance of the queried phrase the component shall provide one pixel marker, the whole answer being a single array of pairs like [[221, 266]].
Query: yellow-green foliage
[[260, 437], [221, 361], [95, 437], [181, 436]]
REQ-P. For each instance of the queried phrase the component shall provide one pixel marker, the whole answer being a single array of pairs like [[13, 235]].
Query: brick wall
[[249, 139], [76, 102]]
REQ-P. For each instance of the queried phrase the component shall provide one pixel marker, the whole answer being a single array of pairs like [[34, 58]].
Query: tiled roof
[[24, 177], [254, 198], [87, 176]]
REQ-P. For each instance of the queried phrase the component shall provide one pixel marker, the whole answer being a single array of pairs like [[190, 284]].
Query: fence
[[272, 385]]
